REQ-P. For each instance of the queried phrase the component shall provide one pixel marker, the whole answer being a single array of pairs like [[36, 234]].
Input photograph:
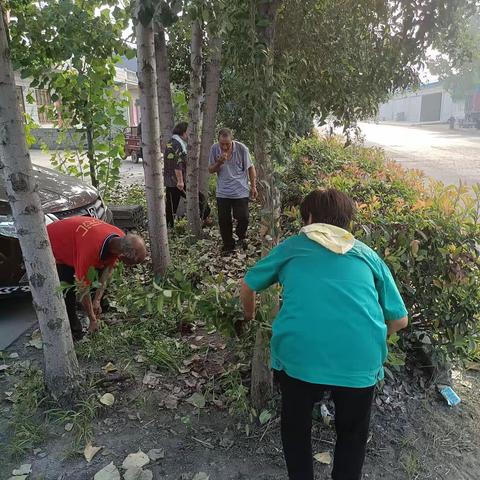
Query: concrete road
[[16, 316], [447, 155], [129, 171]]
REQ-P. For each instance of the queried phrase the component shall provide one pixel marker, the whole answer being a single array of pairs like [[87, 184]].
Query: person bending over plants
[[340, 302]]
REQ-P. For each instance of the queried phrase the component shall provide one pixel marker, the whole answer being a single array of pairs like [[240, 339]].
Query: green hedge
[[428, 234]]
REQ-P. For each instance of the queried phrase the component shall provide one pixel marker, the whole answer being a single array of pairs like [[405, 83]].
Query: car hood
[[59, 192]]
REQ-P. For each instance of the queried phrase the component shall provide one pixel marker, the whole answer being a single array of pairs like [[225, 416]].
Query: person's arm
[[180, 181], [87, 305], [252, 174], [394, 326], [104, 281], [215, 167], [247, 297]]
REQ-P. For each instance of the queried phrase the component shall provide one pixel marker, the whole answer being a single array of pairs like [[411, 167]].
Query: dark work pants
[[239, 208], [352, 419], [66, 274], [173, 199]]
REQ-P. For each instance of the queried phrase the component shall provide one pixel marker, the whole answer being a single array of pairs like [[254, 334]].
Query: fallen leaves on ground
[[107, 399], [110, 472], [24, 469], [156, 454], [197, 400], [90, 451], [323, 457], [135, 460]]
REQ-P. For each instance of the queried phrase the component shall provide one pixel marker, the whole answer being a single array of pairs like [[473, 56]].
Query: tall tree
[[196, 91], [210, 106], [264, 138], [152, 156], [61, 366], [164, 92]]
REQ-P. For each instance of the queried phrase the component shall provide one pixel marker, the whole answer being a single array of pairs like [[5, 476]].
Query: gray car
[[62, 196]]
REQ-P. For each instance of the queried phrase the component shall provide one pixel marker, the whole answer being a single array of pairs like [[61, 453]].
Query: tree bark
[[164, 92], [212, 84], [268, 192], [152, 157], [193, 209], [62, 376], [91, 157]]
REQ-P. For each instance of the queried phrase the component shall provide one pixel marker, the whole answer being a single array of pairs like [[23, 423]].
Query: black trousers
[[239, 208], [352, 419], [67, 274], [173, 195]]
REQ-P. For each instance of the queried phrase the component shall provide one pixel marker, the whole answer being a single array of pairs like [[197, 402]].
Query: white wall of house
[[123, 77], [407, 106]]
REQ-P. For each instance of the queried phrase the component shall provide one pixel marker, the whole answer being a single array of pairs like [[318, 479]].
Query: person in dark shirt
[[175, 173]]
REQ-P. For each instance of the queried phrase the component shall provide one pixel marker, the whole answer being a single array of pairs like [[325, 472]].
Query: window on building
[[43, 101], [20, 100]]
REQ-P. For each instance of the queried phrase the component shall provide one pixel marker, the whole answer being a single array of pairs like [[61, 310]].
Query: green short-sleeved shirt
[[331, 328]]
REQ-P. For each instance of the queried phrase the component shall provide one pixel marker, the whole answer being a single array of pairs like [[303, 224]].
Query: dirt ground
[[414, 434]]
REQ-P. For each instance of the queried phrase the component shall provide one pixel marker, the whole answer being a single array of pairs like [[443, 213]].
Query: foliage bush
[[428, 234]]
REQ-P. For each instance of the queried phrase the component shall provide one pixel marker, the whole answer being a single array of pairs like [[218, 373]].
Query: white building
[[124, 78], [429, 104]]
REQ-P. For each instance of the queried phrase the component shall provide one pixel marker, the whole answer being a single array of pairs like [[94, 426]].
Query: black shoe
[[243, 244], [227, 250]]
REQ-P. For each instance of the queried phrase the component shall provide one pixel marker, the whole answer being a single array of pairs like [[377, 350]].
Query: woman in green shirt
[[339, 304]]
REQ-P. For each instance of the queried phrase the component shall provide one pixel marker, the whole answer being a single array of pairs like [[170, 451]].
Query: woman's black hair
[[327, 206], [180, 128]]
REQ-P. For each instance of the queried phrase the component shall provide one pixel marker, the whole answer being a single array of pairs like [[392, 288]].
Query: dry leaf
[[90, 451], [323, 457], [110, 472], [3, 367], [68, 427], [109, 368], [201, 476], [197, 400], [171, 402], [151, 379], [24, 469], [139, 358], [107, 399], [19, 477], [156, 454], [135, 460], [13, 355], [138, 474]]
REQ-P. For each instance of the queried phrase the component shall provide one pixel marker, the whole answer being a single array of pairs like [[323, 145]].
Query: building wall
[[407, 106]]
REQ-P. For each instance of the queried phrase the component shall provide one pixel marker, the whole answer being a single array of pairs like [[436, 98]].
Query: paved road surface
[[447, 155]]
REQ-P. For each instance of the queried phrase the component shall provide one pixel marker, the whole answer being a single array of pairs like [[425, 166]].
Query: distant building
[[431, 103], [125, 78]]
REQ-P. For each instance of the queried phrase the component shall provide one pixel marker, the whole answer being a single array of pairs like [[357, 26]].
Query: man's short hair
[[225, 132], [328, 206], [129, 246], [180, 128]]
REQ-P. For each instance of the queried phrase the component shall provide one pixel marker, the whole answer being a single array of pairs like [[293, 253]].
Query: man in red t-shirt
[[82, 243]]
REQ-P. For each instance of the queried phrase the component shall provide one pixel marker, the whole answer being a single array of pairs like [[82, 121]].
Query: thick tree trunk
[[193, 209], [61, 366], [91, 157], [212, 84], [152, 157], [268, 192], [164, 92]]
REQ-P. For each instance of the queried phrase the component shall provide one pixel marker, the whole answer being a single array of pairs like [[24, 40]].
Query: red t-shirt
[[78, 243]]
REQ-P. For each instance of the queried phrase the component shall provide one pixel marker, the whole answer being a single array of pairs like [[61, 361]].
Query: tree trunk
[[268, 192], [62, 376], [91, 157], [164, 92], [152, 157], [193, 209], [212, 84]]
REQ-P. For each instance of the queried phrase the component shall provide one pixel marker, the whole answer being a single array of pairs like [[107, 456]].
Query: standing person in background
[[175, 174], [340, 302], [230, 160]]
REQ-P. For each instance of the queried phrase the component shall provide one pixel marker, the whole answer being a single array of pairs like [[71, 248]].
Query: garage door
[[431, 107]]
